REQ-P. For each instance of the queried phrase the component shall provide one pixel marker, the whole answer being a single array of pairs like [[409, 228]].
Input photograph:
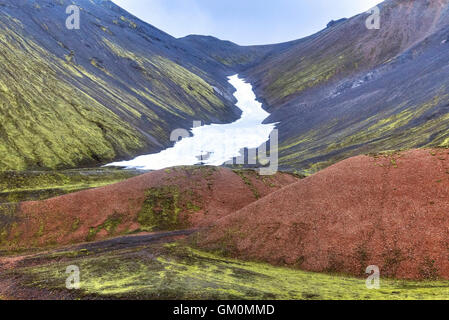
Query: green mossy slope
[[111, 90], [178, 272], [16, 186]]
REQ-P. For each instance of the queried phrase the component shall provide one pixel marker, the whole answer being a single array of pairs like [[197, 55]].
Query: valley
[[94, 176]]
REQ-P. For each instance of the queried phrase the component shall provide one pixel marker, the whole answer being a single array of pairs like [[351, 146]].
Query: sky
[[245, 22]]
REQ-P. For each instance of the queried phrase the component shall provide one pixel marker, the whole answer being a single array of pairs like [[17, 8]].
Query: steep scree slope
[[348, 90]]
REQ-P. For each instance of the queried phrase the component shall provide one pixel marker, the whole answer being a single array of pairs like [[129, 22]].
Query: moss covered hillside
[[174, 271], [113, 89], [16, 186]]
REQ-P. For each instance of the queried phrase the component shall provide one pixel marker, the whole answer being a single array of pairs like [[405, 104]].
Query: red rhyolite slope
[[172, 199], [391, 211]]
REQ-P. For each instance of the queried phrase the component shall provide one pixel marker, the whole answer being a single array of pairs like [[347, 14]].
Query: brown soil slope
[[387, 210], [172, 199]]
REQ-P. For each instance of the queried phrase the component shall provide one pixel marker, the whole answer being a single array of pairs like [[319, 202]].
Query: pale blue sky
[[244, 21]]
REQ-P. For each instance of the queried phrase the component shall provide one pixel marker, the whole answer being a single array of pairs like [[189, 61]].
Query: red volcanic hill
[[386, 210], [172, 199]]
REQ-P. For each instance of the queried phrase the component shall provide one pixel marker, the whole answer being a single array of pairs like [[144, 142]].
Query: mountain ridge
[[348, 90]]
